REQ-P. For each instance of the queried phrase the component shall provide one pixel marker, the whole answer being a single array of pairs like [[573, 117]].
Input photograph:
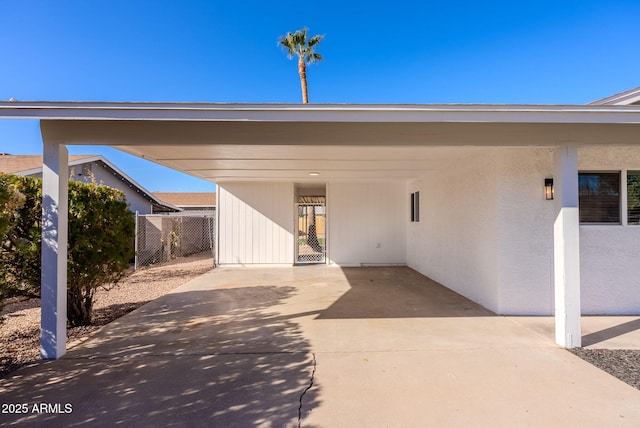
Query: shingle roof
[[10, 164], [29, 164], [183, 199]]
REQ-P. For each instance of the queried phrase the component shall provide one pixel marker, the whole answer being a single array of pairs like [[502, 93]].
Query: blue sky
[[534, 52]]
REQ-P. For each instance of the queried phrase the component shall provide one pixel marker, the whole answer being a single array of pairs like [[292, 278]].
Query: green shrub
[[101, 229], [10, 200], [20, 253], [5, 197]]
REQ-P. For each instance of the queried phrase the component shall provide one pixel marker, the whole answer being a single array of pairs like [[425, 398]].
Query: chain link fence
[[161, 238]]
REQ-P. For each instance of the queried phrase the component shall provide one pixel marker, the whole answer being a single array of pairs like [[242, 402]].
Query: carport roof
[[220, 142]]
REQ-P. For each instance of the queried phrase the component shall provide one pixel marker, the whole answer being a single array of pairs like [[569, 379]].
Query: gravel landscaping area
[[20, 331], [621, 363]]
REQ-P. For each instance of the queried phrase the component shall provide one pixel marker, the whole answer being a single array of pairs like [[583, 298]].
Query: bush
[[101, 229], [9, 201], [20, 253], [5, 197]]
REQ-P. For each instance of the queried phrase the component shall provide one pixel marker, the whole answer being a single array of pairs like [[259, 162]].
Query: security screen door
[[311, 239]]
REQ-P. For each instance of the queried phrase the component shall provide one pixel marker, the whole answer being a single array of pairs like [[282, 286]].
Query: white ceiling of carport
[[228, 162]]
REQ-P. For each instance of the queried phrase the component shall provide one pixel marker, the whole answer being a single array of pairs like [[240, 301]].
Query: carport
[[320, 346], [343, 143]]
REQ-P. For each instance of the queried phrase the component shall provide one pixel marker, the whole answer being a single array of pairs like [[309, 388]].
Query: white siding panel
[[348, 237], [256, 223], [242, 229], [388, 215], [366, 223], [235, 229], [225, 228], [136, 201], [255, 239]]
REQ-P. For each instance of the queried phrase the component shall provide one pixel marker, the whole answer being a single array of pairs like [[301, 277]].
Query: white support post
[[55, 182], [566, 242], [216, 237]]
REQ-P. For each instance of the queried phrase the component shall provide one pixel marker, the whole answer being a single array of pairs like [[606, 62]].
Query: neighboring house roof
[[188, 199], [626, 98], [12, 164], [32, 164]]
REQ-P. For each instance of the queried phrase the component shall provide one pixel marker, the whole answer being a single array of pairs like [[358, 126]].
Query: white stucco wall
[[610, 254], [525, 231], [486, 231], [610, 269], [256, 223], [456, 240], [366, 223]]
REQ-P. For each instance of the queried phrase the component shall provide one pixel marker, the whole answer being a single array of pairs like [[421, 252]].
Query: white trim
[[398, 113], [217, 225], [327, 235], [625, 98], [256, 265]]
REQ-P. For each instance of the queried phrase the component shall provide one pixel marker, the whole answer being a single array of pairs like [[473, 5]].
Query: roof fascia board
[[28, 171], [72, 163], [148, 195], [323, 113], [625, 98]]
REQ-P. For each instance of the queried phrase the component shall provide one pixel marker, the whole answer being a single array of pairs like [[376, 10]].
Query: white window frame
[[622, 208]]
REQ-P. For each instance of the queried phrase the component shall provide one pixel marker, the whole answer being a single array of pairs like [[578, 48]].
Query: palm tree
[[304, 48]]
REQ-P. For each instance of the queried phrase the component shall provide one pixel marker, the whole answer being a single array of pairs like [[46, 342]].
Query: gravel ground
[[20, 331], [621, 363]]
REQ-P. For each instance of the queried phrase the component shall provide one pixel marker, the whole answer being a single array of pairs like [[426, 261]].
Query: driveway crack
[[313, 373]]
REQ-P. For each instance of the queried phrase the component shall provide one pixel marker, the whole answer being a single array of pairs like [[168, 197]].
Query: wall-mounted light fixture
[[548, 188], [314, 174]]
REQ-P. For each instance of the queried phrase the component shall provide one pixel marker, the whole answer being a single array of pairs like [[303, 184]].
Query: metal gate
[[311, 239]]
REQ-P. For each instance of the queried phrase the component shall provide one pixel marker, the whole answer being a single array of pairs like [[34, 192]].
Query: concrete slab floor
[[382, 347], [598, 332]]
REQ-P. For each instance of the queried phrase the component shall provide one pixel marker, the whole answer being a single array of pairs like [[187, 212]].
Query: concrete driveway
[[323, 347]]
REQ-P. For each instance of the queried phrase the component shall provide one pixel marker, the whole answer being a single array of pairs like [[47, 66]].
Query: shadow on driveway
[[196, 358], [398, 292]]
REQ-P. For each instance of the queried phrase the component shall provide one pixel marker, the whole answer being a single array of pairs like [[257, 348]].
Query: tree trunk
[[302, 71], [312, 234], [79, 308]]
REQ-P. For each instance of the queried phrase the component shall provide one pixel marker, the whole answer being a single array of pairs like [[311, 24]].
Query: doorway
[[311, 236]]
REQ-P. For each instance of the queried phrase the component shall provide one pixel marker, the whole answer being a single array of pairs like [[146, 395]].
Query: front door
[[311, 239]]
